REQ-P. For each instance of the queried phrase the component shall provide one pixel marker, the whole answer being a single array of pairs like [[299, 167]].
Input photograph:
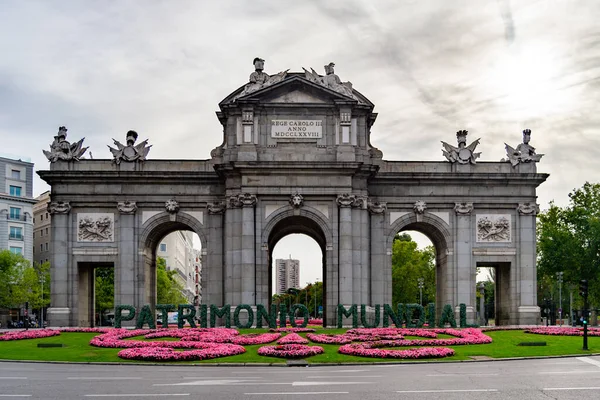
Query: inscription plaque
[[296, 129]]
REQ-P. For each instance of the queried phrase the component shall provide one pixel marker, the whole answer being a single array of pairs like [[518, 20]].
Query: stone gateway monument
[[296, 157]]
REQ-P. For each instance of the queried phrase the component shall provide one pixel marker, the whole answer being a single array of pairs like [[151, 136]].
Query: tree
[[168, 289], [569, 241], [22, 283], [409, 264]]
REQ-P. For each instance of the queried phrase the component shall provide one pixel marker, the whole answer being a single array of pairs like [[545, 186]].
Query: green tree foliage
[[105, 289], [409, 264], [569, 241], [168, 289], [305, 295], [20, 282]]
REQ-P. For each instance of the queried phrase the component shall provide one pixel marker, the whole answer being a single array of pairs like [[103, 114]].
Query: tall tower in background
[[287, 274]]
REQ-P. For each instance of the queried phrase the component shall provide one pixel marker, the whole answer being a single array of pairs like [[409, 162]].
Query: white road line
[[338, 376], [100, 378], [573, 388], [568, 372], [589, 361], [138, 395], [447, 391], [224, 377], [15, 395], [438, 375], [13, 377], [293, 393]]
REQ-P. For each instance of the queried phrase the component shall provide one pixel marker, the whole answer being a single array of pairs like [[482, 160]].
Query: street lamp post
[[316, 281], [559, 278], [421, 283], [42, 306]]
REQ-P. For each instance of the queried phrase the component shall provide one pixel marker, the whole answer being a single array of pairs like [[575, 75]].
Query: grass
[[505, 345]]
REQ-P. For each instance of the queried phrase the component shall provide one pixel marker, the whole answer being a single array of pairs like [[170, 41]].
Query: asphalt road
[[555, 378]]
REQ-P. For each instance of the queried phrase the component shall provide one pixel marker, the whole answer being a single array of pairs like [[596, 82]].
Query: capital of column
[[528, 208], [58, 207], [376, 207], [242, 200], [463, 208], [127, 207], [216, 207], [345, 200]]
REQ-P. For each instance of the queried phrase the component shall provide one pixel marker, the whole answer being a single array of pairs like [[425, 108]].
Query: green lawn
[[505, 345]]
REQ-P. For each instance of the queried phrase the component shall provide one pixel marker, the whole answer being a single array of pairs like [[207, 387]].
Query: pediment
[[294, 89]]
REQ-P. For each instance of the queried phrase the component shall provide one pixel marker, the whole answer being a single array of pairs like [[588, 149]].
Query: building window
[[16, 250], [41, 246], [15, 190], [41, 217], [46, 215], [163, 247], [16, 233], [15, 213], [46, 231], [46, 246], [41, 232], [15, 174]]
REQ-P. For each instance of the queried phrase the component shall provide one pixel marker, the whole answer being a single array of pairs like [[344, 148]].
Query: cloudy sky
[[493, 67]]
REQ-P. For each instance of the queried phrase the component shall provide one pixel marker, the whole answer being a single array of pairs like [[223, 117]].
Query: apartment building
[[42, 239], [287, 274]]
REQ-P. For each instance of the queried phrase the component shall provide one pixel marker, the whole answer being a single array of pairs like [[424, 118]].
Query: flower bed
[[292, 338], [256, 338], [371, 350], [564, 331], [329, 339], [290, 351], [29, 334], [292, 330], [204, 351]]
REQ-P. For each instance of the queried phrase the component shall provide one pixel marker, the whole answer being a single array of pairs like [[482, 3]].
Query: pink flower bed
[[204, 351], [86, 330], [290, 351], [292, 330], [256, 338], [564, 331], [29, 334], [329, 339], [292, 338], [369, 350]]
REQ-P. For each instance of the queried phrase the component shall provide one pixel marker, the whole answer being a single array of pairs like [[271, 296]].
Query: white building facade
[[287, 274]]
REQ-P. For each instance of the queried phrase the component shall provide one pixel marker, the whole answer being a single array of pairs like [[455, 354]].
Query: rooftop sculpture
[[260, 79], [61, 149], [330, 80], [524, 152], [130, 152], [462, 154]]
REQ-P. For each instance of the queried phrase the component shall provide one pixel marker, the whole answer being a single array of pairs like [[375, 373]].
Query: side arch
[[159, 225]]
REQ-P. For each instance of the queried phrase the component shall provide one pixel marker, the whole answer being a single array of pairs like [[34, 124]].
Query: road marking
[[15, 395], [13, 377], [573, 388], [138, 395], [589, 361], [338, 376], [328, 383], [240, 383], [438, 375], [99, 378], [293, 393], [447, 391], [568, 372]]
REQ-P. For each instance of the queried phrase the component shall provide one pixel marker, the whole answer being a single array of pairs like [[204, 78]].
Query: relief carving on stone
[[296, 200], [95, 227], [528, 208], [419, 207], [524, 152], [376, 207], [61, 149], [463, 208], [242, 200], [127, 207], [130, 152], [360, 202], [493, 228], [216, 208], [345, 200], [58, 207], [172, 206], [462, 154]]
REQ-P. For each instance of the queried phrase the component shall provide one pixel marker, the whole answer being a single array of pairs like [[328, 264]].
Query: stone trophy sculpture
[[61, 149], [330, 80], [130, 152], [462, 154], [524, 152], [260, 79]]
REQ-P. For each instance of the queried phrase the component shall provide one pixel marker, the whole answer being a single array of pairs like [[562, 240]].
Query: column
[[212, 265], [378, 254], [345, 203], [464, 291], [526, 258], [59, 313], [127, 281], [248, 264]]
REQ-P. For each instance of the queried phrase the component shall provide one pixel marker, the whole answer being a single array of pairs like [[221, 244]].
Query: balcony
[[16, 217], [14, 237]]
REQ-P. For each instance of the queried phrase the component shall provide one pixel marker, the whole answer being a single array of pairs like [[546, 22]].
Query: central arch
[[293, 221]]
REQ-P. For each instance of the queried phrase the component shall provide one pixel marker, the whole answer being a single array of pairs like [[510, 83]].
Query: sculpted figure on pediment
[[260, 79], [330, 80], [524, 152], [462, 154], [61, 149], [130, 152]]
